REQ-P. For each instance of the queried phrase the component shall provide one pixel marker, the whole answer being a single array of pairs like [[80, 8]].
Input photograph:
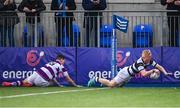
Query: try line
[[46, 93]]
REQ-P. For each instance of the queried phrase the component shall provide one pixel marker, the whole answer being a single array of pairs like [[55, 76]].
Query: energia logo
[[33, 57]]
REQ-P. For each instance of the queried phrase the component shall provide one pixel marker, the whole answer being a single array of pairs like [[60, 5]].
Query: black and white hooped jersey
[[51, 70], [139, 65]]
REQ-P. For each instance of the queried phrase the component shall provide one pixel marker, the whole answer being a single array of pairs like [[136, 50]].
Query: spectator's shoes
[[7, 84], [91, 82]]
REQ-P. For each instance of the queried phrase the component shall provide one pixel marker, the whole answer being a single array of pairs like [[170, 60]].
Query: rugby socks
[[17, 83], [97, 79]]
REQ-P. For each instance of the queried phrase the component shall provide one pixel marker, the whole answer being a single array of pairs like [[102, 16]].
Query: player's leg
[[118, 80], [16, 83], [106, 82], [122, 77], [36, 80], [10, 84], [29, 81], [26, 84], [39, 81]]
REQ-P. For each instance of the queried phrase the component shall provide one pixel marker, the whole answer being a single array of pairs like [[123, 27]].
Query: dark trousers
[[174, 29], [7, 31], [62, 24], [91, 26]]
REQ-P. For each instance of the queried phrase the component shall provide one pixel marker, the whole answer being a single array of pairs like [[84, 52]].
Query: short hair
[[60, 56], [146, 52]]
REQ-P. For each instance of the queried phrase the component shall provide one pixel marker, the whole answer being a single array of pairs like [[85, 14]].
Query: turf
[[116, 97]]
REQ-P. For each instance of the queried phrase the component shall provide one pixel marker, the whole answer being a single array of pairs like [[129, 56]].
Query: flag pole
[[114, 50], [121, 24]]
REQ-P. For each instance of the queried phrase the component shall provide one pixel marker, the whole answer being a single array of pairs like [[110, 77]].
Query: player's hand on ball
[[155, 74], [156, 70]]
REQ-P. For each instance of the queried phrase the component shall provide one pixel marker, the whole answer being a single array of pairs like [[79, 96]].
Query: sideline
[[54, 92]]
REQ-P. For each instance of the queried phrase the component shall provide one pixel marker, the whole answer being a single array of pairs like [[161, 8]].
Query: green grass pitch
[[89, 97]]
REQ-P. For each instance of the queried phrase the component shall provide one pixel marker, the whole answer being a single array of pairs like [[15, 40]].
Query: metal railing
[[146, 29]]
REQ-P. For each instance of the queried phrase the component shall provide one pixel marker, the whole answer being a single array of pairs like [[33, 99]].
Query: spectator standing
[[173, 20], [7, 22], [32, 9], [64, 19], [91, 19]]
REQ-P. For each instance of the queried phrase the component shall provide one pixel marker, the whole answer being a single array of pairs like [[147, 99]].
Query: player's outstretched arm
[[70, 81], [57, 83], [145, 73], [159, 67]]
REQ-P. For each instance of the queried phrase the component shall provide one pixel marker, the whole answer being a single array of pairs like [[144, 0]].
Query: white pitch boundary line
[[54, 92]]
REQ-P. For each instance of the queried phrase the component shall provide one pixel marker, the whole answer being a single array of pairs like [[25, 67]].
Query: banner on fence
[[19, 63]]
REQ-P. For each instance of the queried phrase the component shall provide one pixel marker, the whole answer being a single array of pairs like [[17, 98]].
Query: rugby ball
[[155, 75]]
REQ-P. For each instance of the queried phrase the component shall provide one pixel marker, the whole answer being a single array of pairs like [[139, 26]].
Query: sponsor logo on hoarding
[[17, 74], [101, 74], [33, 57], [177, 74]]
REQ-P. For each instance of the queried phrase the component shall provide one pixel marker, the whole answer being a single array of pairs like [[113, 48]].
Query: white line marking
[[54, 92]]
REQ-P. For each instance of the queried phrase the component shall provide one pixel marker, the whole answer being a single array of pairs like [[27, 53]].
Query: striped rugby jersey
[[51, 70], [139, 65]]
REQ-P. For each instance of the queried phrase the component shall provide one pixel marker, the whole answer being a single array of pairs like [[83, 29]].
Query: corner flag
[[120, 23]]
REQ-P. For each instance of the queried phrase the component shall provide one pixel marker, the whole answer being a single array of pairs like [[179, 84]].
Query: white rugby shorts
[[37, 80], [122, 76]]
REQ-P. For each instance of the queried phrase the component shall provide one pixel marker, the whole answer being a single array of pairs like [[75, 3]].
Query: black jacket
[[69, 3], [171, 6], [8, 18], [89, 5], [32, 4]]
